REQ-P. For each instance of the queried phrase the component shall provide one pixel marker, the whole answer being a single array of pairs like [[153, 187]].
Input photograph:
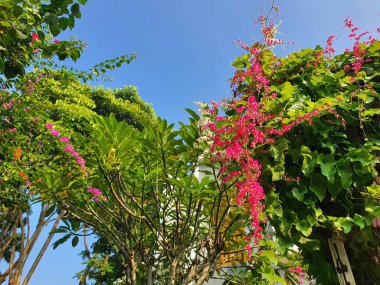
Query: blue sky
[[185, 49]]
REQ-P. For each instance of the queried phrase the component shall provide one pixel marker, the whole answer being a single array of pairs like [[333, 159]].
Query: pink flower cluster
[[329, 50], [69, 148], [299, 271], [97, 193], [358, 52], [235, 138], [273, 41], [8, 105]]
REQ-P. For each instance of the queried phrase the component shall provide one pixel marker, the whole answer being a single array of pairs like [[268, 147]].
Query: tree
[[145, 199], [27, 149]]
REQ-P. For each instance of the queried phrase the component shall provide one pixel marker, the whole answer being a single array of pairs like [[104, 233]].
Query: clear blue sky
[[184, 53]]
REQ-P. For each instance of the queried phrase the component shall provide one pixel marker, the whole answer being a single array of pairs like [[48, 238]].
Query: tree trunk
[[131, 269], [203, 275], [173, 271], [149, 274], [43, 249]]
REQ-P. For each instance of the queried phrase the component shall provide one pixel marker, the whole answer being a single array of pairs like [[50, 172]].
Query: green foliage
[[32, 160], [153, 210], [335, 157], [27, 27], [125, 104], [61, 94]]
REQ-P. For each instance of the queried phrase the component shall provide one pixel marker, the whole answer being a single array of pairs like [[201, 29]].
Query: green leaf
[[359, 221], [371, 112], [46, 54], [192, 113], [51, 19], [63, 23], [287, 92], [75, 10], [327, 164], [335, 188], [55, 29], [309, 160], [347, 224], [304, 227], [75, 241], [278, 171], [345, 173], [273, 278], [318, 185], [361, 155], [271, 256], [299, 192], [49, 211], [61, 241], [20, 35]]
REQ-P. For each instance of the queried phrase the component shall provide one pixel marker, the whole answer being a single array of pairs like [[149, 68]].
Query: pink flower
[[55, 133], [56, 41], [69, 148], [96, 192], [65, 140], [348, 22], [49, 126], [35, 37], [80, 160]]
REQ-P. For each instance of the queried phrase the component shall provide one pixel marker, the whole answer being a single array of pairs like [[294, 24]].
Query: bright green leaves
[[327, 165], [361, 155], [115, 141], [304, 227], [287, 92], [309, 160]]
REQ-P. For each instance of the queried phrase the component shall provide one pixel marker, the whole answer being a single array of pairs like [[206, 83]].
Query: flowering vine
[[257, 116]]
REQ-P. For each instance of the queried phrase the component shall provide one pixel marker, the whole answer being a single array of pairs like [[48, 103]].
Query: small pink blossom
[[80, 160], [54, 133], [97, 193], [56, 41], [35, 37], [68, 148], [49, 126], [65, 140]]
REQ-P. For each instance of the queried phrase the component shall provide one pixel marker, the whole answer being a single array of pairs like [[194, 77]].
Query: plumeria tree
[[145, 199]]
